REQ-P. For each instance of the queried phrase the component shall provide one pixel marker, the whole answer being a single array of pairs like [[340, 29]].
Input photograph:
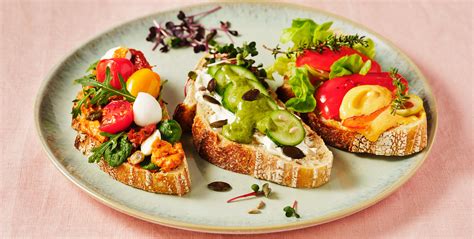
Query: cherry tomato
[[324, 60], [330, 94], [121, 66], [144, 80], [116, 116]]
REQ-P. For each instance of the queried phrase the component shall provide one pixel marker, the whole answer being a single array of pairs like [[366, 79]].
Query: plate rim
[[237, 229]]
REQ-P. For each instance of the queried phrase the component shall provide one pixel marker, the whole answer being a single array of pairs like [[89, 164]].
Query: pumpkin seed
[[293, 152], [219, 186], [211, 100], [211, 86], [251, 95], [218, 124]]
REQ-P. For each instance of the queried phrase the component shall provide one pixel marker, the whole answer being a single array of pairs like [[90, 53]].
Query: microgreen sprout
[[266, 191], [290, 211], [188, 32]]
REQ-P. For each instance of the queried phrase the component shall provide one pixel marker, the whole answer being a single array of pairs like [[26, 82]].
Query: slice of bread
[[176, 182], [252, 159], [399, 141]]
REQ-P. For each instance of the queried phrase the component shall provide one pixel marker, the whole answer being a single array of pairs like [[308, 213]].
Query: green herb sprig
[[333, 43], [290, 211], [101, 91], [400, 94], [115, 151]]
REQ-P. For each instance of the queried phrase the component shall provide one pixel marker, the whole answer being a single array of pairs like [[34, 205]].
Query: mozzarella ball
[[146, 110]]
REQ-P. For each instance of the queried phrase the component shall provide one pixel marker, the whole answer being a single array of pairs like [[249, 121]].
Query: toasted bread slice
[[403, 140], [176, 182], [252, 159]]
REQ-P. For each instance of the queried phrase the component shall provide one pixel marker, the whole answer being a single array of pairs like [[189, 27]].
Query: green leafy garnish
[[92, 67], [239, 54], [101, 91], [305, 32], [304, 91], [367, 49], [282, 66], [115, 151], [400, 95], [290, 211], [349, 65], [148, 165]]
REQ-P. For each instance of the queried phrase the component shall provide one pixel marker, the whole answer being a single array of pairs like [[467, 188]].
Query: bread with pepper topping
[[404, 139]]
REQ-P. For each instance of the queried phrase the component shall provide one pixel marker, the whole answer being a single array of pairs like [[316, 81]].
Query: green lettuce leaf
[[282, 66], [349, 65], [304, 100], [305, 31], [368, 50]]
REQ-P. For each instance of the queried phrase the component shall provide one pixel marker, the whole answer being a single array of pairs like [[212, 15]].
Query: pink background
[[36, 200]]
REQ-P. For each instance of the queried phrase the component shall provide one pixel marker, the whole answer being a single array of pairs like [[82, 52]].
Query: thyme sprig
[[400, 93], [333, 43]]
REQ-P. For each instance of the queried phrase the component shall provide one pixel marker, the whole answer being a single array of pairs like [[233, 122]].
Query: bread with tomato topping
[[176, 181], [402, 140], [252, 159]]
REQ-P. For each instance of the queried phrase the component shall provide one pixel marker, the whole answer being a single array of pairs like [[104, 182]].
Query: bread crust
[[254, 161], [399, 141]]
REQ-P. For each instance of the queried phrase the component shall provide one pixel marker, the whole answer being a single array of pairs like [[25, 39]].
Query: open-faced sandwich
[[123, 125], [340, 91], [238, 123]]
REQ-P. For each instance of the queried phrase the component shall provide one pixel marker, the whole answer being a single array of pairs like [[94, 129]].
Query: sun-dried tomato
[[139, 60], [139, 134]]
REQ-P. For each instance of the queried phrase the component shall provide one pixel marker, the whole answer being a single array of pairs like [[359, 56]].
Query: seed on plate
[[293, 152], [266, 190], [136, 157], [218, 124], [251, 95], [211, 86], [211, 100], [254, 211], [219, 186], [261, 205]]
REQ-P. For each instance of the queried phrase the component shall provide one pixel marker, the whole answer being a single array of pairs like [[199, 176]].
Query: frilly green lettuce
[[304, 100], [349, 65]]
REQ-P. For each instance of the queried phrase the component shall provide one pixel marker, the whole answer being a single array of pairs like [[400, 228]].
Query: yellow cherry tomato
[[144, 80]]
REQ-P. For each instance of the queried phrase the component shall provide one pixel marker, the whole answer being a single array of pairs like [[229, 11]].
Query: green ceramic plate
[[357, 181]]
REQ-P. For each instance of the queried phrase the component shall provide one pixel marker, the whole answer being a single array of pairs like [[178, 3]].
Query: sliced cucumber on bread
[[256, 131]]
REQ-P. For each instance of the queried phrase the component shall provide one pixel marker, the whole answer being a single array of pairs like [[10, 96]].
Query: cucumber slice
[[221, 81], [288, 131], [233, 93], [213, 69], [243, 72]]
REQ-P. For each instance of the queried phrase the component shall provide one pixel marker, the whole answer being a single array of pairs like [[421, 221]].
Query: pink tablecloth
[[36, 200]]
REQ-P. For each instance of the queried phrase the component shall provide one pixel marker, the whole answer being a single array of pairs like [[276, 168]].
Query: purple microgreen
[[188, 32]]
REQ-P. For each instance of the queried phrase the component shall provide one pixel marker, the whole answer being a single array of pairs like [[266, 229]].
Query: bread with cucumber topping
[[278, 147]]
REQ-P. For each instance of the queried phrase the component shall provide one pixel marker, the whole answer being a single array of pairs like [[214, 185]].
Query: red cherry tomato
[[116, 116], [330, 94], [324, 60], [121, 66]]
